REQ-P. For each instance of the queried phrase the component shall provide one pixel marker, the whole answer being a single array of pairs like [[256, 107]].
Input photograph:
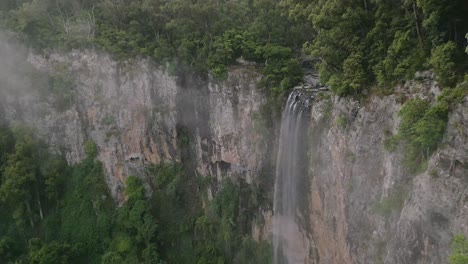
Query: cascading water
[[288, 240]]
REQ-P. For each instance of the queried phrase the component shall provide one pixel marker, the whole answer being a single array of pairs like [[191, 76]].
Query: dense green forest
[[358, 44], [56, 213]]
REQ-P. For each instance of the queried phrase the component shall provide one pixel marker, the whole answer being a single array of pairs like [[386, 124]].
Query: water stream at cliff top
[[289, 244]]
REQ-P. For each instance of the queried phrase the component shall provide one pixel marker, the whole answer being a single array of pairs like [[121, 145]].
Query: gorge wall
[[363, 205], [138, 114]]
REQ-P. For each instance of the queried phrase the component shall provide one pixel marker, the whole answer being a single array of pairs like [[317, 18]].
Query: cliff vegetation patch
[[423, 126]]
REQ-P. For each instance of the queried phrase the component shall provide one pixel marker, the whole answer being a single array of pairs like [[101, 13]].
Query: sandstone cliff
[[138, 114], [364, 207], [361, 205]]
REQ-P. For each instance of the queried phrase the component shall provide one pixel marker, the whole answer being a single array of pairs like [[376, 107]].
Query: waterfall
[[288, 240]]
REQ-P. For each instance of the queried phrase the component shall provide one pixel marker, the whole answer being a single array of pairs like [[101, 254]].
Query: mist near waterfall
[[289, 244]]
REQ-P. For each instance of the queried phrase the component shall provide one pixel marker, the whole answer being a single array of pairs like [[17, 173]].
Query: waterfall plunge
[[290, 245]]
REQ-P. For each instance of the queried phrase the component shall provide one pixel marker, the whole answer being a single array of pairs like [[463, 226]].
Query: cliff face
[[363, 205], [138, 114]]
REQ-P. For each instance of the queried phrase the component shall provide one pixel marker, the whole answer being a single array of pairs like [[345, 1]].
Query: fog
[[16, 74]]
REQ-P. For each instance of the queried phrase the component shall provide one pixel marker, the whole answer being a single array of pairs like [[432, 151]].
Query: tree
[[444, 61], [430, 129], [19, 183], [53, 252], [54, 172], [135, 228], [7, 144]]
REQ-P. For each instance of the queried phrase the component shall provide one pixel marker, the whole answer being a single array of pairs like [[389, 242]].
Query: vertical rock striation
[[138, 114], [364, 206]]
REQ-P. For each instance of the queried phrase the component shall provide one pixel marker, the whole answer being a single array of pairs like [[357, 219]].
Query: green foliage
[[459, 248], [282, 76], [7, 143], [422, 128], [135, 189], [91, 149], [177, 205], [183, 137], [453, 97], [434, 173], [391, 143], [226, 49], [360, 43], [444, 61], [86, 216], [404, 57], [328, 109], [78, 221], [411, 112], [54, 171], [354, 74], [42, 197], [67, 216], [53, 252], [9, 248], [20, 179], [341, 122], [46, 24], [218, 235], [133, 239], [206, 36]]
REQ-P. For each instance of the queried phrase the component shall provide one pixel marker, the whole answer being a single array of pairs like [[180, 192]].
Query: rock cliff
[[138, 114], [361, 207], [364, 207]]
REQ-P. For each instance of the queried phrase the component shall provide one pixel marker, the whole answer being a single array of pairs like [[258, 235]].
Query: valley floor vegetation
[[56, 213]]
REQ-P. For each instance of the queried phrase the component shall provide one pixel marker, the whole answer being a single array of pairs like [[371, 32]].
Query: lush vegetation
[[55, 213], [363, 43], [198, 35], [423, 126], [459, 250], [197, 230], [358, 44]]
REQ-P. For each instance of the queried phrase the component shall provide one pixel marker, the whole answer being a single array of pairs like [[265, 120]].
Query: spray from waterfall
[[288, 240]]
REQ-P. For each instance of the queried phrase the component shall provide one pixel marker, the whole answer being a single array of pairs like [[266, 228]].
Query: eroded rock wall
[[138, 113], [364, 207]]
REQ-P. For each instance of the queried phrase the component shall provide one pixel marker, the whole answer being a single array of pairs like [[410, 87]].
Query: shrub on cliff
[[459, 248], [423, 125], [422, 128]]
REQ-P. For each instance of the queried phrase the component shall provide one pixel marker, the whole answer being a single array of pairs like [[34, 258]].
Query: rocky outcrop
[[364, 207], [139, 114]]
